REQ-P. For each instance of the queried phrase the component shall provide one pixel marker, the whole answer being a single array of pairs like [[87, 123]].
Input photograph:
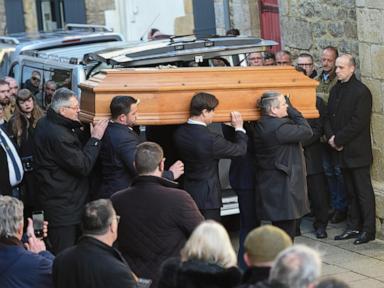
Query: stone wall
[[3, 21], [95, 10], [370, 22], [243, 15], [309, 26]]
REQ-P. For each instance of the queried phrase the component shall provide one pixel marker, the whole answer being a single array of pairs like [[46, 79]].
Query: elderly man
[[170, 215], [305, 61], [62, 166], [200, 150], [347, 127], [255, 59], [327, 76], [13, 90], [298, 266], [283, 58], [280, 179], [21, 265], [93, 262]]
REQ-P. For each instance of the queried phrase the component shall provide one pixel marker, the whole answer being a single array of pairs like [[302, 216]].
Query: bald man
[[347, 127]]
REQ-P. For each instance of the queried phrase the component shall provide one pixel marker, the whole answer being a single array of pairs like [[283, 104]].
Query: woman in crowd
[[207, 260], [21, 127]]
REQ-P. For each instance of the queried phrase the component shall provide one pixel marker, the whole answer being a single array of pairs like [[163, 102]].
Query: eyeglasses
[[305, 64], [35, 78], [74, 107], [282, 62]]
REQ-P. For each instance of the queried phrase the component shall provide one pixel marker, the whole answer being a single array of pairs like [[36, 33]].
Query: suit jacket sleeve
[[298, 131], [359, 120], [316, 124], [223, 148], [77, 161]]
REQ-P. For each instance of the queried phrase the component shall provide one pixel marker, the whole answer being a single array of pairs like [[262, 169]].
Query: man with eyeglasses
[[62, 166], [305, 61], [283, 58], [93, 262], [255, 59]]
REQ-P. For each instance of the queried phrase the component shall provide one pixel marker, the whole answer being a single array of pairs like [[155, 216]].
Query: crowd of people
[[119, 216]]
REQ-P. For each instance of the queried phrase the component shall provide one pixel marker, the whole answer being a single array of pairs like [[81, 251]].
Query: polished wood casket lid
[[165, 94]]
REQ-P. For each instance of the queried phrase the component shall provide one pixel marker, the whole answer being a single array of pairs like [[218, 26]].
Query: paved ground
[[358, 265]]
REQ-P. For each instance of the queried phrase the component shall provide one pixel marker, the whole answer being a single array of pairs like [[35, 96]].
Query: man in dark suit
[[119, 146], [156, 217], [347, 127], [200, 150]]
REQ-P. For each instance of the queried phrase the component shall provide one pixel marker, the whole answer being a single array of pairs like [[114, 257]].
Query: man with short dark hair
[[119, 146], [33, 83], [200, 150], [283, 58], [156, 217], [5, 100], [347, 128], [44, 97], [62, 166], [93, 262], [305, 61]]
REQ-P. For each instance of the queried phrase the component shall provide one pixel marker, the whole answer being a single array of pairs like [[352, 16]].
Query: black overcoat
[[349, 119], [62, 167], [92, 264], [281, 176]]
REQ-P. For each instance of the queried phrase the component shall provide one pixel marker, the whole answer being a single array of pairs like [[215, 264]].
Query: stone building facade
[[354, 26], [95, 10]]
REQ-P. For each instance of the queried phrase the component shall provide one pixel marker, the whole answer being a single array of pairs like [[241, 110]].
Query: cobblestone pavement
[[361, 266]]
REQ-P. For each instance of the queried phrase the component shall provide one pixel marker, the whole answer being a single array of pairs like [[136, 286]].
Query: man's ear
[[161, 165], [247, 260]]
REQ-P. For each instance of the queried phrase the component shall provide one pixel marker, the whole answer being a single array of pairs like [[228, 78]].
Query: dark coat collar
[[154, 179], [61, 120], [255, 274], [351, 80]]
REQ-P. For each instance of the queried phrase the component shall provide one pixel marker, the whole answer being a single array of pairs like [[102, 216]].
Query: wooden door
[[270, 22]]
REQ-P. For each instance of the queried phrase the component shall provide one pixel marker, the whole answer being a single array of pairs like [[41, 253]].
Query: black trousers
[[212, 214], [318, 196], [63, 237], [361, 199], [289, 226]]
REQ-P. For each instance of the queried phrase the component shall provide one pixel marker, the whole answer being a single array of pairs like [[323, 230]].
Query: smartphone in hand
[[38, 223]]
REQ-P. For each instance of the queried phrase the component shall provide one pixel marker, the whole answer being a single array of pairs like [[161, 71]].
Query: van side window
[[31, 79], [63, 78]]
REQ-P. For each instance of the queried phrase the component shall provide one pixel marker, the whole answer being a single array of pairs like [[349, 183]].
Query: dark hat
[[264, 243]]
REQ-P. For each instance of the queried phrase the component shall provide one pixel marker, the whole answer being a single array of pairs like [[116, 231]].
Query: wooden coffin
[[165, 94]]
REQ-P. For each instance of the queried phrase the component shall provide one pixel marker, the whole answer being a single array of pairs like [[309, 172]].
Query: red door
[[270, 22]]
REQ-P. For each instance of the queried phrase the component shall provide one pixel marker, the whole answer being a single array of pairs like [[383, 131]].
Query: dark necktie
[[11, 156]]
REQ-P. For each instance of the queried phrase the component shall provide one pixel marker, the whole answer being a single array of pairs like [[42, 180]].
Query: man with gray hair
[[280, 180], [62, 165], [298, 266], [21, 265], [44, 97], [93, 262]]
